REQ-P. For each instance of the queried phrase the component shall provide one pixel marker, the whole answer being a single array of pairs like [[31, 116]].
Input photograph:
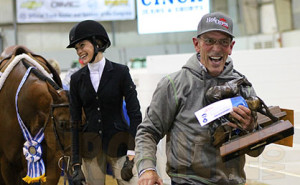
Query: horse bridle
[[58, 138]]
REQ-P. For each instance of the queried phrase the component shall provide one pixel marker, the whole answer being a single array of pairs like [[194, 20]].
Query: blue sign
[[156, 16]]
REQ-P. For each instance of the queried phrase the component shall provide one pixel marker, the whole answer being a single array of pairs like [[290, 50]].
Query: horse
[[42, 106]]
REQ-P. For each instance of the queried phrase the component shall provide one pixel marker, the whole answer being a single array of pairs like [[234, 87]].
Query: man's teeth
[[215, 58]]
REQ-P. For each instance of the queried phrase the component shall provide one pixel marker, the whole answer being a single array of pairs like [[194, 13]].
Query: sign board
[[37, 11], [157, 16]]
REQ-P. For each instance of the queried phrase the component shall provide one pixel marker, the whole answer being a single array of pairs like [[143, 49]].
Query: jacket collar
[[106, 75]]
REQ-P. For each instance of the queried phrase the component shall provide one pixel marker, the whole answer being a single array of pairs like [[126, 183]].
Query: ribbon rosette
[[35, 164]]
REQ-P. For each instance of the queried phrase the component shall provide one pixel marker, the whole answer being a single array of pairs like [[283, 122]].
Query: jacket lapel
[[86, 78], [106, 75]]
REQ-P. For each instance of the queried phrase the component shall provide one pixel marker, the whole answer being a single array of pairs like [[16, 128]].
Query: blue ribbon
[[32, 149]]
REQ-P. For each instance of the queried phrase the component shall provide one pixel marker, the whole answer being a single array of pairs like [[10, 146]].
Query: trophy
[[275, 125]]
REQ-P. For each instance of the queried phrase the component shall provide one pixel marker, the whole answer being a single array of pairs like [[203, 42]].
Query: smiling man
[[191, 156]]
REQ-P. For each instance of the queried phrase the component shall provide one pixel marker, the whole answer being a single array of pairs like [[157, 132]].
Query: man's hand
[[150, 177], [243, 115], [78, 177]]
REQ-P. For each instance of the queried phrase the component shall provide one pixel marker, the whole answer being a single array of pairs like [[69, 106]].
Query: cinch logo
[[221, 22]]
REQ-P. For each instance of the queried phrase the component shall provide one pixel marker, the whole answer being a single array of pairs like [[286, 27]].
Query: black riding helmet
[[89, 30]]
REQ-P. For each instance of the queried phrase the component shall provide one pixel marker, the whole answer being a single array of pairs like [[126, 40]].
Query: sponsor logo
[[116, 2], [204, 118], [64, 4], [221, 21], [31, 5]]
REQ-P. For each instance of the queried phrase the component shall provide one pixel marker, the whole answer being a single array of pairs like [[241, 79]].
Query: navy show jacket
[[103, 109]]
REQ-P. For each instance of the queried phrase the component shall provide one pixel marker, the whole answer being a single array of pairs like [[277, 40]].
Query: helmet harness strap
[[96, 48]]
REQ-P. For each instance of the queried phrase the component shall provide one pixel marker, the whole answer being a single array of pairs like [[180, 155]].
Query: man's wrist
[[147, 169]]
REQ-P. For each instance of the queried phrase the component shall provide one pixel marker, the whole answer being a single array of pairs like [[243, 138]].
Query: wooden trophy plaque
[[279, 132]]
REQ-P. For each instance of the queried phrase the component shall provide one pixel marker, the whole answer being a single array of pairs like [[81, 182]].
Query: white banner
[[155, 16], [36, 11]]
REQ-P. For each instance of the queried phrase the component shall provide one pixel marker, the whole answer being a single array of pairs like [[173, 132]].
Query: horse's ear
[[55, 95]]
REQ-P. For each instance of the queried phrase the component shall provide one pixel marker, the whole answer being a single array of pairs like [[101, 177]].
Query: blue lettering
[[146, 4], [171, 1], [157, 2]]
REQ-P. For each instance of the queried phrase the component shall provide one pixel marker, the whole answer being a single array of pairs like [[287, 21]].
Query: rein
[[64, 159]]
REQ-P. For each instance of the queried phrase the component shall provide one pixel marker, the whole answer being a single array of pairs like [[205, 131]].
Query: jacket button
[[100, 132], [98, 108], [97, 98], [99, 120]]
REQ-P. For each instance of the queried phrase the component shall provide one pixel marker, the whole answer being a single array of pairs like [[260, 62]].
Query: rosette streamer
[[32, 149]]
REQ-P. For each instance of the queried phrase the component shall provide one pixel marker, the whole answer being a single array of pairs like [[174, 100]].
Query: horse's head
[[61, 127], [227, 90], [60, 120]]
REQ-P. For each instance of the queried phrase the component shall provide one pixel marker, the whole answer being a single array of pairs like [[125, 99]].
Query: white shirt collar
[[98, 66], [96, 70]]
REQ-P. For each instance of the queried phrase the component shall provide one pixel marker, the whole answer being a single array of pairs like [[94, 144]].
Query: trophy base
[[252, 141]]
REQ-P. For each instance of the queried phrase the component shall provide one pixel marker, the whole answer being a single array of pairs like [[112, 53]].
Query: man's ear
[[231, 47], [196, 44]]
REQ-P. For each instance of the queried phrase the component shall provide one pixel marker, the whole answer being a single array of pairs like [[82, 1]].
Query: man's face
[[214, 48]]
